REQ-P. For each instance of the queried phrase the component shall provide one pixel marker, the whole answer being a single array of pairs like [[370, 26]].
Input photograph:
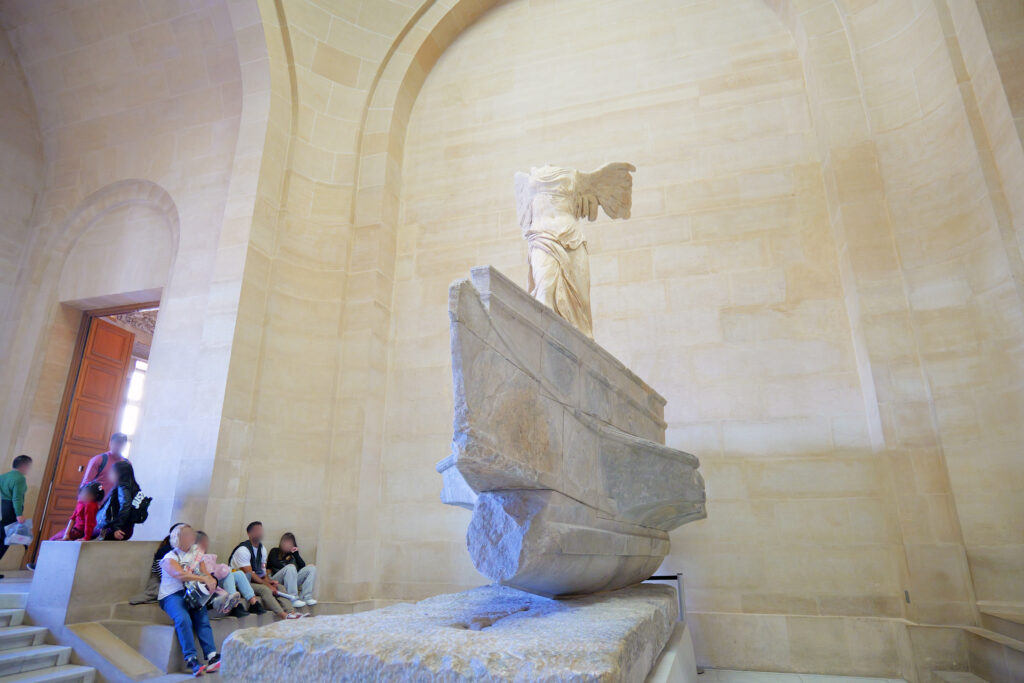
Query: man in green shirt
[[12, 497]]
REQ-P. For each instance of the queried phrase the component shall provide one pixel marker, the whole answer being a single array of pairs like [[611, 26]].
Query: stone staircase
[[996, 648], [139, 640], [992, 652], [24, 653], [80, 592]]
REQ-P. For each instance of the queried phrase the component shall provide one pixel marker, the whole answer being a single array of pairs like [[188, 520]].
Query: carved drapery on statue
[[550, 201]]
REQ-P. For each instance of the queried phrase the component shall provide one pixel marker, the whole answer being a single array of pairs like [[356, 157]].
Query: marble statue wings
[[550, 201]]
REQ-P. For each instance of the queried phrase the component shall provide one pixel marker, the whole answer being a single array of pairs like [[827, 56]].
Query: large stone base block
[[492, 633]]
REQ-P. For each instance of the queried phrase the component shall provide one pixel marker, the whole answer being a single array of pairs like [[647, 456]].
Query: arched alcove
[[124, 243], [722, 290]]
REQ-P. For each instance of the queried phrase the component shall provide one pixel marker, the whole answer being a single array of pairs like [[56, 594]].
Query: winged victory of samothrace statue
[[550, 203]]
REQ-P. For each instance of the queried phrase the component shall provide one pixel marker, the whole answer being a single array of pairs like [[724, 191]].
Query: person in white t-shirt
[[177, 568], [250, 557]]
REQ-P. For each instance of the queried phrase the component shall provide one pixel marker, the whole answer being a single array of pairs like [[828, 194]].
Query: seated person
[[178, 567], [234, 582], [83, 520], [224, 601], [115, 521], [286, 566], [152, 588], [249, 557]]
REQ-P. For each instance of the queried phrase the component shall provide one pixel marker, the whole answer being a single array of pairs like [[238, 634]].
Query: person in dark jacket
[[115, 521], [287, 567]]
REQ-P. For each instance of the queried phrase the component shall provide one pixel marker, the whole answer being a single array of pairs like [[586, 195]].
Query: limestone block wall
[[1003, 22], [722, 290], [144, 109], [21, 167], [814, 255], [958, 267], [822, 275]]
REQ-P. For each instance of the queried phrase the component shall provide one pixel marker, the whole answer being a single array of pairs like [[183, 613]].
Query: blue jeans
[[237, 581], [185, 622]]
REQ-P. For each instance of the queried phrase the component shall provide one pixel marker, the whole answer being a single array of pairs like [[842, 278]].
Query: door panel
[[71, 465], [96, 399], [100, 382], [54, 524], [89, 422], [109, 342]]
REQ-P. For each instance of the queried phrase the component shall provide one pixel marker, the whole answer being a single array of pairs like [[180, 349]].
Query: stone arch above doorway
[[132, 221], [113, 196]]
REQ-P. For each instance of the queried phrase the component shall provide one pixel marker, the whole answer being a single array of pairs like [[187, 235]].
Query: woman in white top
[[179, 567]]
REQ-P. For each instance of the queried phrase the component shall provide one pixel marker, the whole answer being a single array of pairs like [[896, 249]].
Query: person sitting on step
[[83, 520], [287, 567], [178, 571], [249, 557], [152, 589], [224, 601], [234, 582]]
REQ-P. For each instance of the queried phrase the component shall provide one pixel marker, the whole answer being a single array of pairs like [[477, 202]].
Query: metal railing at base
[[680, 597]]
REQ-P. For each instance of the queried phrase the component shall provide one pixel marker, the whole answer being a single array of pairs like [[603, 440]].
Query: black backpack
[[140, 508]]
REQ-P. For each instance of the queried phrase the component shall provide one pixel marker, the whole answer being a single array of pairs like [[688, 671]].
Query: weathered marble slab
[[558, 449], [486, 634]]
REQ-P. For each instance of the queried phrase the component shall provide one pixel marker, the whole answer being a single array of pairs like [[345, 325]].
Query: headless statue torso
[[550, 201]]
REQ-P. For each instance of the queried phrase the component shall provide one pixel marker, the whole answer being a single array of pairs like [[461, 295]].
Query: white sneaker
[[310, 602], [299, 603]]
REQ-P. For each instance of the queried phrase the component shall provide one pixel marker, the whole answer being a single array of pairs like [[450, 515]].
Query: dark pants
[[186, 621], [7, 516]]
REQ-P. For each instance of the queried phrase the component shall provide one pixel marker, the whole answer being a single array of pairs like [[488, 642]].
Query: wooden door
[[91, 416]]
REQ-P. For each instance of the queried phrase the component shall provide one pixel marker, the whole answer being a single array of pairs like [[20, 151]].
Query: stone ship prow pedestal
[[558, 449]]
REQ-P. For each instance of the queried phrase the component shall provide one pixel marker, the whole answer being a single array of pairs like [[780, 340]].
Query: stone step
[[22, 659], [12, 637], [124, 656], [996, 637], [13, 600], [994, 657], [68, 673], [1007, 621], [956, 677], [12, 616], [151, 612]]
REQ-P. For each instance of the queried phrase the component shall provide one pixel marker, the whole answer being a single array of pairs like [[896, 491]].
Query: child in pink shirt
[[223, 602]]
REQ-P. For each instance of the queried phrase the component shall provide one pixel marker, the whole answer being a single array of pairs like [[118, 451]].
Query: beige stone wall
[[958, 255], [128, 249], [830, 272], [21, 167], [146, 109], [1004, 24], [723, 289], [823, 275]]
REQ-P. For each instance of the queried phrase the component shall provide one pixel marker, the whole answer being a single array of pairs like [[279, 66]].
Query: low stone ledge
[[493, 633]]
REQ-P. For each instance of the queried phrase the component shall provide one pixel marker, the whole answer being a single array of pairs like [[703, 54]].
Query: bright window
[[130, 414]]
